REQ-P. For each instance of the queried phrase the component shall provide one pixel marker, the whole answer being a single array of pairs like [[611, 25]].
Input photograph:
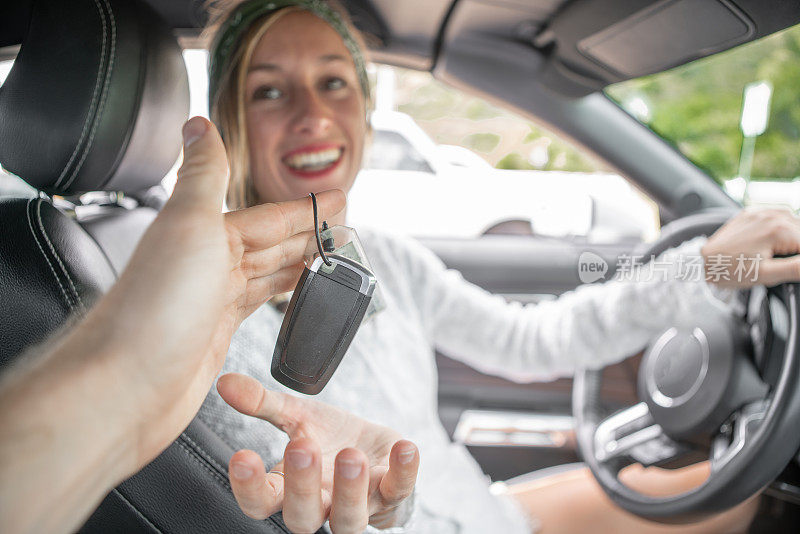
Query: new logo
[[591, 267]]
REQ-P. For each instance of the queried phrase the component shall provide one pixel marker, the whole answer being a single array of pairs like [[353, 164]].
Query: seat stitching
[[58, 259], [138, 512], [38, 244], [202, 452], [104, 94], [204, 465], [94, 96], [194, 455]]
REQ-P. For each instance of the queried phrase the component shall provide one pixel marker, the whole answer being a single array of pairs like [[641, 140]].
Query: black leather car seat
[[95, 102]]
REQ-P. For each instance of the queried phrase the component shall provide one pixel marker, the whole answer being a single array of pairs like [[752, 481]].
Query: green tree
[[697, 106]]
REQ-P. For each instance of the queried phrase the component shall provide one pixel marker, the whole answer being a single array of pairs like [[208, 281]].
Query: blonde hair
[[228, 110]]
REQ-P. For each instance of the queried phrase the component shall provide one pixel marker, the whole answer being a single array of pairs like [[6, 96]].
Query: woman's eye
[[332, 84], [267, 93]]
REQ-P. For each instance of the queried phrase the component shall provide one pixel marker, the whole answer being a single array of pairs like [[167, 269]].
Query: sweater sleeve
[[592, 326]]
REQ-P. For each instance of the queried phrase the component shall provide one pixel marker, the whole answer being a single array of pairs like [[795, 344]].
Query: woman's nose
[[314, 116]]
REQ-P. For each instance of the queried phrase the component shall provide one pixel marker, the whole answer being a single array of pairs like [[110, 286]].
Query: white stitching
[[197, 458], [203, 453], [53, 250], [58, 280], [94, 97], [104, 94], [138, 512], [223, 480]]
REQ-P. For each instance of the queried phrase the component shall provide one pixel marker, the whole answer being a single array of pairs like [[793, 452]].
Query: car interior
[[90, 120]]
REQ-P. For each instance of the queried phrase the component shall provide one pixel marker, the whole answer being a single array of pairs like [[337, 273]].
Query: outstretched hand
[[196, 274], [104, 398], [337, 466]]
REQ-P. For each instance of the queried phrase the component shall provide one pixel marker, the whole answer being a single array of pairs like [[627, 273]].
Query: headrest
[[95, 99]]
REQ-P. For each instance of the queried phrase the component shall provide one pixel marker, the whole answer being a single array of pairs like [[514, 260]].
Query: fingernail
[[193, 130], [299, 458], [349, 469], [406, 456], [241, 471]]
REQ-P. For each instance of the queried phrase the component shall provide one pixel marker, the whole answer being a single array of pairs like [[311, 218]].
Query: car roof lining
[[587, 43]]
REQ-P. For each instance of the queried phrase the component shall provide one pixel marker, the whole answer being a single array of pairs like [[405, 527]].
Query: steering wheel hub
[[679, 365], [686, 374]]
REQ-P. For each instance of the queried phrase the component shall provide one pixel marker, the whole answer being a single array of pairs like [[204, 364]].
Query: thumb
[[203, 176], [774, 271]]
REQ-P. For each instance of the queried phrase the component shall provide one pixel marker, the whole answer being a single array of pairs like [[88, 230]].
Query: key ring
[[316, 232]]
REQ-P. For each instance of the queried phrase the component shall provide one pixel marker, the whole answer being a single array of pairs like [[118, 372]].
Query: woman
[[288, 91]]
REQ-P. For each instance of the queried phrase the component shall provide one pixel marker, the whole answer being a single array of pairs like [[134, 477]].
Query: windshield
[[698, 108]]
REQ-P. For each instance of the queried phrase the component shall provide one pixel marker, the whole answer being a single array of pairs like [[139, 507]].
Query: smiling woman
[[314, 75], [265, 85], [295, 123], [288, 92]]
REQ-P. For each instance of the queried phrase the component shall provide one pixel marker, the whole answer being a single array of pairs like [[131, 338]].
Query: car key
[[324, 314]]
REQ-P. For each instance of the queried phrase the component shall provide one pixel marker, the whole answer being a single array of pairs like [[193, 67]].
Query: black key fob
[[324, 314]]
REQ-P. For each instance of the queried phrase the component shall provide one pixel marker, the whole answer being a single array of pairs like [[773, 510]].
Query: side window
[[735, 115], [5, 68], [486, 171], [391, 151], [10, 185], [196, 61]]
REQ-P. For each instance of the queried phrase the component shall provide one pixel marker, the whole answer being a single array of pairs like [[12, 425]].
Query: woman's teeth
[[313, 161]]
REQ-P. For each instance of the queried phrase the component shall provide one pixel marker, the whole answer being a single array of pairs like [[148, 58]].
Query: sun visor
[[589, 44], [667, 34]]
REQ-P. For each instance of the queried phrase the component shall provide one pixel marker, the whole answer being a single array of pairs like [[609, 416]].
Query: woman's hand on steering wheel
[[698, 381], [337, 466], [751, 241]]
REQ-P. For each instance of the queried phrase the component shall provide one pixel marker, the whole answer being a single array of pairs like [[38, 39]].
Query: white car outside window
[[410, 185]]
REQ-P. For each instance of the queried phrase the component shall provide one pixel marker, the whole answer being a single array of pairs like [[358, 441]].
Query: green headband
[[240, 19]]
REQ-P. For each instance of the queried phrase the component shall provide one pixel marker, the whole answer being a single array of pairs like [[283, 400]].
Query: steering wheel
[[701, 393]]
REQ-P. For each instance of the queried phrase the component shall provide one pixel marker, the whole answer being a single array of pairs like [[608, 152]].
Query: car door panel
[[512, 428]]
